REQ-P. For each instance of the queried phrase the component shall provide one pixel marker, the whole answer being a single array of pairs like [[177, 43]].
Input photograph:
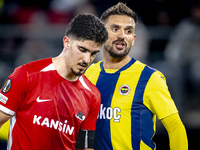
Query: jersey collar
[[121, 69]]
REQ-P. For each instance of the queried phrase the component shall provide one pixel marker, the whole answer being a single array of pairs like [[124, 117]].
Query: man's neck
[[115, 63], [61, 68]]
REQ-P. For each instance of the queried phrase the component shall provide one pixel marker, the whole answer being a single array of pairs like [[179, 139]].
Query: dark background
[[167, 39]]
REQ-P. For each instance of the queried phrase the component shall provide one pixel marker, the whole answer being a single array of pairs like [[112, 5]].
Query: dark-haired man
[[132, 93], [51, 105]]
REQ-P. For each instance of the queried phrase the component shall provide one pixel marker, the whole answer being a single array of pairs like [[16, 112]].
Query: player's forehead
[[89, 45], [120, 20]]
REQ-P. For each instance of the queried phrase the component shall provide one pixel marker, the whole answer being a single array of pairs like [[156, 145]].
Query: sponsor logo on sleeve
[[3, 98], [79, 115], [7, 86]]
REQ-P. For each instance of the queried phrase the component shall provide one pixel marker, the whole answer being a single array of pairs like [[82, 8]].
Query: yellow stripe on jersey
[[93, 72], [143, 146], [124, 102]]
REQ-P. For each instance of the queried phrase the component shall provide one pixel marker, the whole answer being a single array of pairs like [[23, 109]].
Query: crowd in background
[[168, 39]]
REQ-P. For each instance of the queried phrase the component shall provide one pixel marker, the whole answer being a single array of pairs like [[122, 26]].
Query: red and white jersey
[[47, 109]]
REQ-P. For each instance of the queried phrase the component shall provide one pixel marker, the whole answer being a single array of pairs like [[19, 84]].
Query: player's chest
[[62, 100], [119, 94]]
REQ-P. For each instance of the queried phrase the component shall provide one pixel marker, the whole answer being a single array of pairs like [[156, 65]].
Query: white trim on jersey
[[6, 110], [83, 83], [12, 123], [49, 68], [86, 139]]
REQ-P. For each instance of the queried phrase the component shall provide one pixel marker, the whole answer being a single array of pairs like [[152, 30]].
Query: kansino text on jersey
[[109, 113], [50, 123]]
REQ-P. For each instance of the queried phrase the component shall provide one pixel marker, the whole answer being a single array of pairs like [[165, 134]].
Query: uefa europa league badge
[[7, 86]]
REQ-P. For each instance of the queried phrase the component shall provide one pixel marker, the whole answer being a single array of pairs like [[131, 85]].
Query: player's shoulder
[[144, 66], [134, 66], [21, 73], [148, 68], [158, 75], [94, 67], [153, 72], [36, 66], [90, 86]]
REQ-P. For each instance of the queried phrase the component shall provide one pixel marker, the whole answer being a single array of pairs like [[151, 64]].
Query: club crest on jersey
[[79, 115], [124, 89], [7, 86]]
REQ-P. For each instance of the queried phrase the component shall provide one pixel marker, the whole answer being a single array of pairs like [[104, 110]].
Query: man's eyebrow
[[130, 27], [114, 25], [83, 48], [87, 49], [127, 27]]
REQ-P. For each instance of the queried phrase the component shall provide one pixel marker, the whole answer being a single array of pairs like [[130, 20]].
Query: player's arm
[[176, 131], [86, 133], [12, 94], [85, 140], [3, 118]]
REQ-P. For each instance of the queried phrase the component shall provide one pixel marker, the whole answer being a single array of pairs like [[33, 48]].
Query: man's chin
[[78, 73], [118, 55]]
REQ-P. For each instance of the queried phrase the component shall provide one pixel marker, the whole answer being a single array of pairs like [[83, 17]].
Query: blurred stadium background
[[168, 39]]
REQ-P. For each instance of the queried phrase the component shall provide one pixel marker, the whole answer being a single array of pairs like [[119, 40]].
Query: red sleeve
[[13, 91], [91, 119]]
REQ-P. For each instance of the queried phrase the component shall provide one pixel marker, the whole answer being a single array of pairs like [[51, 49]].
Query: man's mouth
[[83, 66], [120, 45]]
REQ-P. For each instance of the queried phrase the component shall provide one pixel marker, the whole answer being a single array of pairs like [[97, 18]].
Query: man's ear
[[66, 42], [134, 39]]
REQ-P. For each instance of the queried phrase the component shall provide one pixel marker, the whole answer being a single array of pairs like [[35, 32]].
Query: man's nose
[[121, 34], [87, 58]]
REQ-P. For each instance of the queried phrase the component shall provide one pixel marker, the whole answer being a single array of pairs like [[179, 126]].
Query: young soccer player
[[50, 104], [132, 93]]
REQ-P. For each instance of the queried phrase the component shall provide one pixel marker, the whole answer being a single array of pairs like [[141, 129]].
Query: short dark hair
[[87, 27], [119, 9]]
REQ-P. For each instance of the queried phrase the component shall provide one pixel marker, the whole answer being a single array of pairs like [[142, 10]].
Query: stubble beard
[[77, 73], [111, 51]]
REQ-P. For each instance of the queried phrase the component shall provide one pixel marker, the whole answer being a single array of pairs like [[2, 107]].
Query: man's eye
[[128, 31], [93, 54], [82, 50], [114, 29]]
